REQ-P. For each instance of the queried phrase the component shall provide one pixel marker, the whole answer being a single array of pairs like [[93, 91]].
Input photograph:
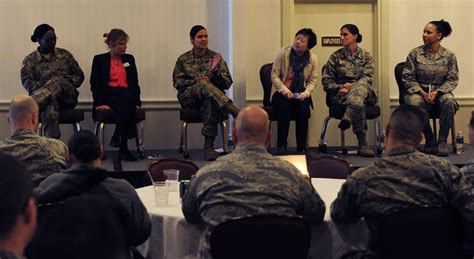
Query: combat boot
[[230, 108], [442, 148], [429, 147], [363, 149], [345, 123], [209, 153]]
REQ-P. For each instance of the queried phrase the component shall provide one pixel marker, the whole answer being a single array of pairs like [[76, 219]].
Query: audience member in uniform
[[41, 155], [51, 76], [17, 208], [86, 177], [79, 228], [249, 181], [468, 168], [404, 179]]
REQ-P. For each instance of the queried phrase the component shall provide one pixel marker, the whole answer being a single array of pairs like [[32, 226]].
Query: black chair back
[[266, 236], [329, 167], [401, 86], [421, 233], [265, 79], [186, 168]]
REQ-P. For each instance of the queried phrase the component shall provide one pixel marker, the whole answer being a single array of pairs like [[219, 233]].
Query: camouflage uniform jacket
[[189, 66], [423, 68], [249, 181], [403, 179], [41, 155], [280, 70], [343, 67], [468, 171], [38, 71]]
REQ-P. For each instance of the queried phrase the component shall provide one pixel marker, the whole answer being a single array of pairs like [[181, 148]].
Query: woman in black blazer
[[114, 85]]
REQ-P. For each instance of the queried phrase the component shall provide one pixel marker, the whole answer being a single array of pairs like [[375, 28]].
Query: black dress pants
[[284, 109], [122, 102]]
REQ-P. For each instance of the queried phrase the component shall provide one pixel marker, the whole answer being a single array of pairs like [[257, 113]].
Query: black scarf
[[298, 63]]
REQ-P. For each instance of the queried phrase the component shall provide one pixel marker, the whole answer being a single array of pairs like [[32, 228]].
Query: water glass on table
[[173, 177], [161, 190]]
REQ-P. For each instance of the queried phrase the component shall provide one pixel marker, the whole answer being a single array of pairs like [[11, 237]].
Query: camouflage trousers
[[51, 98], [210, 100], [355, 101], [445, 103]]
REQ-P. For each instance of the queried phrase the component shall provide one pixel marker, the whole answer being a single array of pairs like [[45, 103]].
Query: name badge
[[126, 64]]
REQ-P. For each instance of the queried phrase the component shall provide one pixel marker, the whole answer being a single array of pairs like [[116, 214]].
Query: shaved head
[[251, 125], [22, 109]]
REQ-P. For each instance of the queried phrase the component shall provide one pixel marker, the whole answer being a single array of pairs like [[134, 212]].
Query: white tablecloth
[[173, 238]]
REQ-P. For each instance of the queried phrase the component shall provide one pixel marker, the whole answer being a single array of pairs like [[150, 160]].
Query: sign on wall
[[329, 41]]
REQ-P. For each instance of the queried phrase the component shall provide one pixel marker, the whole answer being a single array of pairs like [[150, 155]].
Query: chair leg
[[435, 131], [270, 140], [223, 126], [343, 143], [184, 137], [99, 132], [76, 126], [322, 139], [139, 140], [40, 129], [378, 135], [453, 137]]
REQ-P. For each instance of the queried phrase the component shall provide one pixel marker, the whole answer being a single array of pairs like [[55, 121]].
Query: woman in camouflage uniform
[[201, 77], [430, 75], [348, 77], [51, 76]]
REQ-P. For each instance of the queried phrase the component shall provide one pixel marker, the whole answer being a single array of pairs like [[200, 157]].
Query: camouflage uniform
[[52, 81], [42, 156], [468, 171], [440, 70], [208, 96], [403, 179], [358, 69], [249, 181]]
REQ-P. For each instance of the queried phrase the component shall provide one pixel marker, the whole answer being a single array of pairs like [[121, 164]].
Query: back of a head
[[22, 108], [443, 26], [252, 125], [16, 189], [406, 124], [85, 146], [77, 228]]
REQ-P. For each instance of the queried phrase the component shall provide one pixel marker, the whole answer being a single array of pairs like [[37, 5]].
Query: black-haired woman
[[114, 86], [51, 76], [348, 78], [430, 75], [201, 76], [294, 76]]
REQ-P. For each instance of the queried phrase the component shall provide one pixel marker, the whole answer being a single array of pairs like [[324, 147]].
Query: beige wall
[[248, 33]]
